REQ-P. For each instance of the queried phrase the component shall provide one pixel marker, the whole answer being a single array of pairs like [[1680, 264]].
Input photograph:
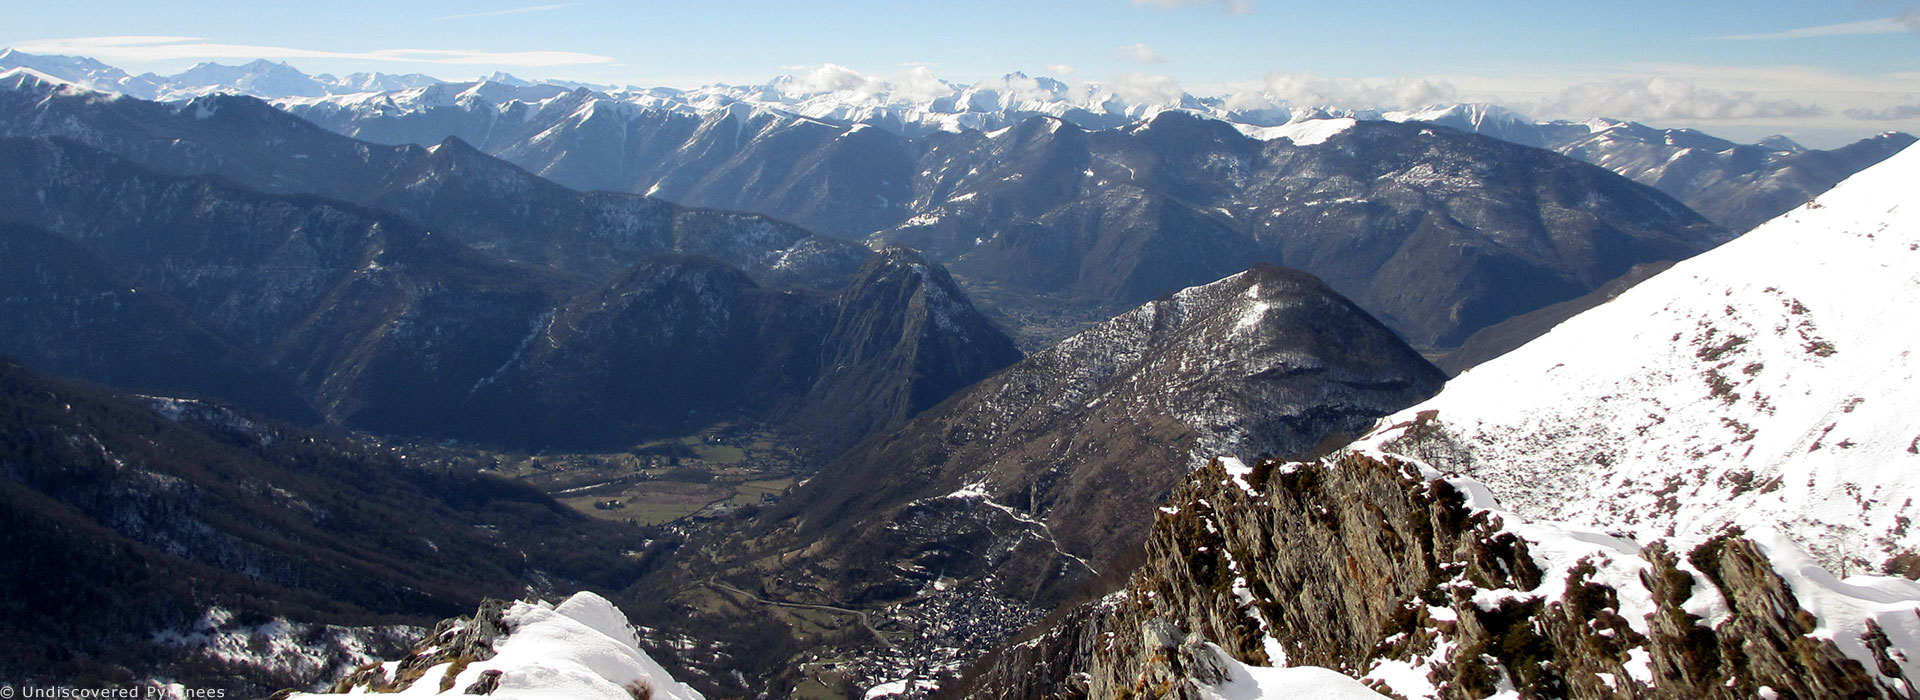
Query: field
[[692, 477]]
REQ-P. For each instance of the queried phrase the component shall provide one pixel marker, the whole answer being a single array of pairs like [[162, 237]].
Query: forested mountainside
[[178, 539], [368, 319]]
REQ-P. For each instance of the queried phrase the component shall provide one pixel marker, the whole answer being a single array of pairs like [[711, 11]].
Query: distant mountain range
[[1735, 185]]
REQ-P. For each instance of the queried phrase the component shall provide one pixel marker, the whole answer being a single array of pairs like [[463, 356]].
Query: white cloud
[[165, 48], [1307, 89], [1885, 25], [1025, 88], [1235, 7], [1147, 88], [834, 78], [502, 13], [919, 84], [1060, 70], [1667, 99], [1138, 53]]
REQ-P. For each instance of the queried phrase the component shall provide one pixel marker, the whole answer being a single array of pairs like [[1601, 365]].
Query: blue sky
[[1823, 72]]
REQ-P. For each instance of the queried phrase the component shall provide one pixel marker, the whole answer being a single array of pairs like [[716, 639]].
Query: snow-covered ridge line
[[581, 649], [1764, 384]]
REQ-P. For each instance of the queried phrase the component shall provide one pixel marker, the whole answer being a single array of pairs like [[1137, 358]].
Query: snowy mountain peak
[[1780, 142], [1766, 383], [506, 78], [1471, 113], [259, 77]]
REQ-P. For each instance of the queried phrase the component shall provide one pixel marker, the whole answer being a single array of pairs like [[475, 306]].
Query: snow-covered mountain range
[[259, 78], [526, 122], [914, 104]]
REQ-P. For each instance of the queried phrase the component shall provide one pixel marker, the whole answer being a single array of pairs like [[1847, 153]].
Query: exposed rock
[[1382, 570], [458, 641]]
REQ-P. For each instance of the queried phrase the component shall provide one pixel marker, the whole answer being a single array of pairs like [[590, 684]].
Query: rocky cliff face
[[1421, 587]]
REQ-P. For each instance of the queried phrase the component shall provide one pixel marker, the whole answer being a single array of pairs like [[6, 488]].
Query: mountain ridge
[[1005, 499], [385, 326]]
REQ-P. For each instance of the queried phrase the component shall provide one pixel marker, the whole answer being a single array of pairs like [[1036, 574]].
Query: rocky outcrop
[[1383, 570], [457, 642], [582, 648]]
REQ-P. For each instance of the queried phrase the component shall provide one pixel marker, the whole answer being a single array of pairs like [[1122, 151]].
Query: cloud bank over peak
[[1308, 89], [1147, 88], [1667, 99]]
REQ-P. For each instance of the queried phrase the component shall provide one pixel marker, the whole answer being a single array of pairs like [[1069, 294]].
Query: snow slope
[[1246, 682], [1769, 383], [581, 649]]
